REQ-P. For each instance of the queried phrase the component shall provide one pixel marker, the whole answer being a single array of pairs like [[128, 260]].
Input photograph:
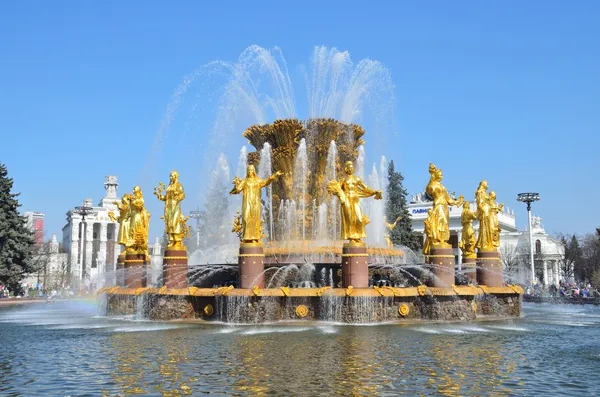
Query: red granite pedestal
[[355, 266], [441, 266], [119, 270], [489, 268], [251, 261], [135, 269], [469, 268], [175, 268]]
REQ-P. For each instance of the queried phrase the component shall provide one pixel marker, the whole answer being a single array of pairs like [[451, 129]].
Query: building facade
[[35, 223], [514, 243], [90, 240]]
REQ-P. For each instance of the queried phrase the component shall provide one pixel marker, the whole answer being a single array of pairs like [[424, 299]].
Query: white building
[[514, 244], [548, 253], [90, 240]]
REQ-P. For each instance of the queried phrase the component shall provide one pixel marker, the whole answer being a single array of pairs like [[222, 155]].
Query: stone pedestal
[[251, 261], [441, 266], [135, 270], [469, 268], [120, 270], [175, 269], [355, 266], [489, 268]]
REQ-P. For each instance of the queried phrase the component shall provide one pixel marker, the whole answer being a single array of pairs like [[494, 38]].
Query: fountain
[[305, 249], [292, 263]]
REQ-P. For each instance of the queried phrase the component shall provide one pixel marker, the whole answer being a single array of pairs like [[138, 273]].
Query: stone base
[[175, 269], [120, 271], [355, 266], [251, 261], [369, 305], [135, 270], [442, 267], [469, 268], [489, 268]]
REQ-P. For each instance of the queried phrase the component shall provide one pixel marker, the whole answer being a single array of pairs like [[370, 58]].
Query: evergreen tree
[[16, 240], [397, 206]]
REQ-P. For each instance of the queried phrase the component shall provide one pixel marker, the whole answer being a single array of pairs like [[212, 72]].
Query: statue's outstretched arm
[[269, 180], [238, 186], [364, 191]]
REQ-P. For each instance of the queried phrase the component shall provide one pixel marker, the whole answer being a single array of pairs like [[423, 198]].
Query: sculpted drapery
[[175, 221], [487, 214], [134, 222], [467, 241], [349, 191], [439, 218], [250, 187]]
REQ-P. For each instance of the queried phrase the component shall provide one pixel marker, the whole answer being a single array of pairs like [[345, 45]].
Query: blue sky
[[506, 91]]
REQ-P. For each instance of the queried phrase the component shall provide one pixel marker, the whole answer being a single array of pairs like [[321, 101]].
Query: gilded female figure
[[139, 220], [122, 219], [349, 191], [488, 238], [250, 187], [440, 216], [495, 226], [467, 241], [174, 220]]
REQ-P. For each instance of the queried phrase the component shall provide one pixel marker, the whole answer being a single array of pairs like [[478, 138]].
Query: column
[[545, 264], [556, 273], [75, 270], [102, 255], [89, 240]]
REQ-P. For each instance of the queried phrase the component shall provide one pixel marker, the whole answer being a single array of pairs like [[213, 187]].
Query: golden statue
[[122, 219], [495, 209], [175, 221], [440, 216], [390, 227], [250, 186], [427, 232], [139, 221], [237, 225], [467, 241], [349, 191], [487, 214]]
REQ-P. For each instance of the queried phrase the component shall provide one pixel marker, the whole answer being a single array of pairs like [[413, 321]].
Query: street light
[[197, 215], [84, 210], [529, 198]]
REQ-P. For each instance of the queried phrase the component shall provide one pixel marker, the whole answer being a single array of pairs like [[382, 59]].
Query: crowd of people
[[564, 290], [39, 291]]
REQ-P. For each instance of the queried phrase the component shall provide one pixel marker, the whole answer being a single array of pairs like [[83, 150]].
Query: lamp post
[[84, 210], [529, 198], [197, 215]]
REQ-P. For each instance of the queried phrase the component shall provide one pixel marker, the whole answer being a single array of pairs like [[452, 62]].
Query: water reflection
[[85, 355]]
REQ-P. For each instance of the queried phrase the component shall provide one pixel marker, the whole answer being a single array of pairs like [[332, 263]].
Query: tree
[[572, 257], [16, 240], [590, 257], [512, 261], [397, 206]]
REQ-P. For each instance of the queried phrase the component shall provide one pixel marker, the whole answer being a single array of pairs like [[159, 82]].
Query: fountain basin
[[345, 305]]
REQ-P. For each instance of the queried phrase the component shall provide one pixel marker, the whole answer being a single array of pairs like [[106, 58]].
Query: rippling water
[[65, 349]]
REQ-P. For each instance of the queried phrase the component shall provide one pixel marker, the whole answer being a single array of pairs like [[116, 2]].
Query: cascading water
[[323, 232], [300, 184], [376, 211], [360, 162], [256, 89], [242, 163], [265, 169], [331, 174]]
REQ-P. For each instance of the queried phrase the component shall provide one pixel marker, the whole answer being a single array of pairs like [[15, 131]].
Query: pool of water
[[66, 349]]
